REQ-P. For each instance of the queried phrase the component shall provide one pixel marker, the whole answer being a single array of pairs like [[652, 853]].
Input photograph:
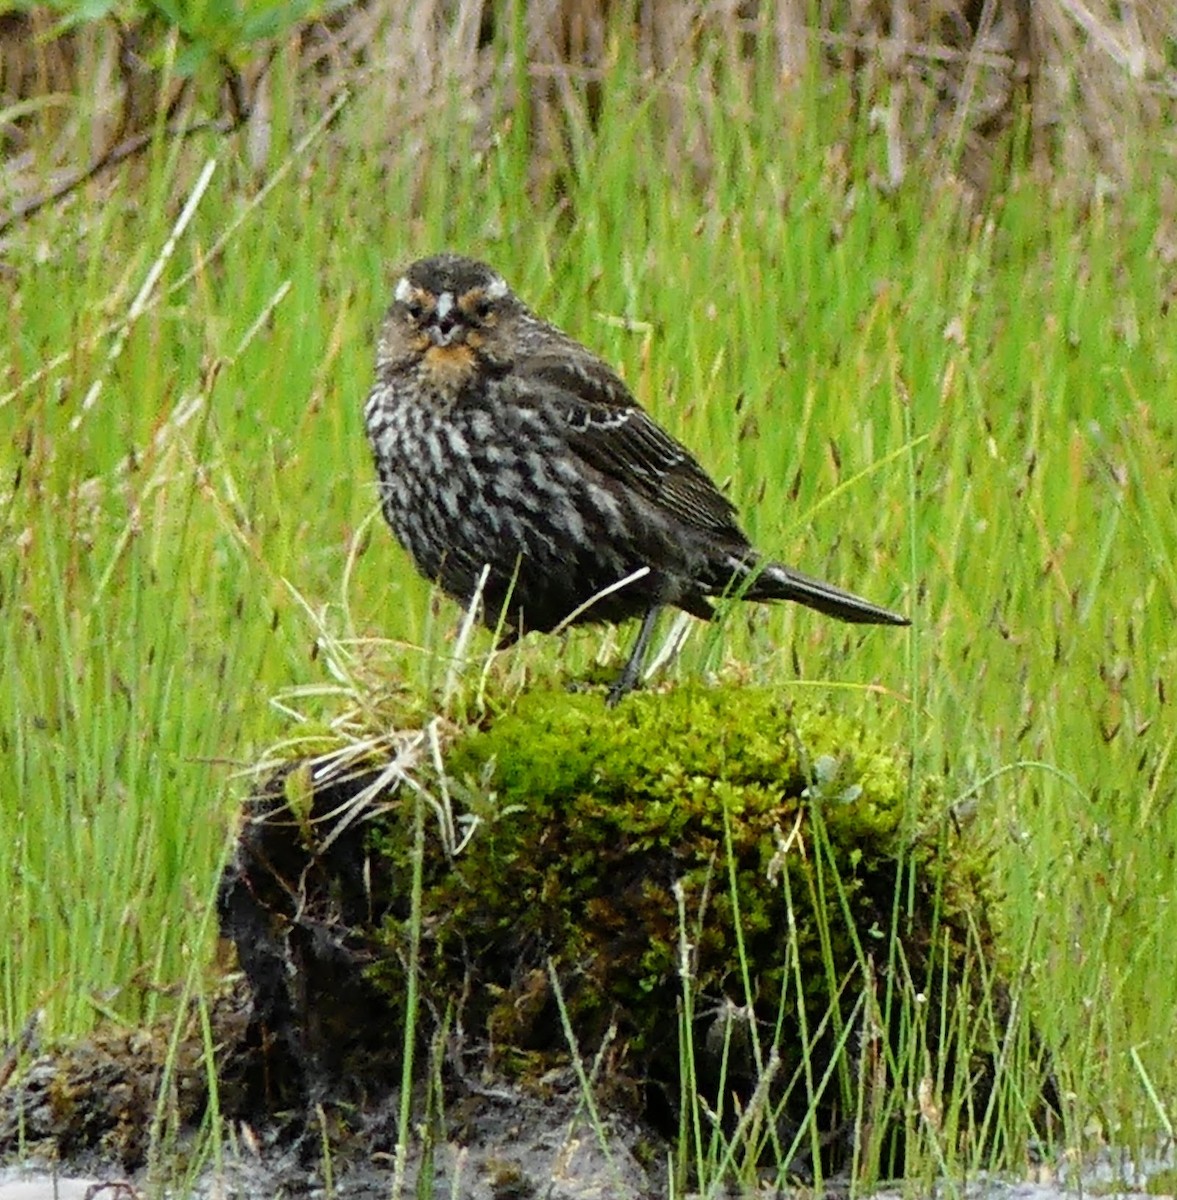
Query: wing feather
[[609, 430]]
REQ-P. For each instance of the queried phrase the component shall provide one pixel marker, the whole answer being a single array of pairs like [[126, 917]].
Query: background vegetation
[[905, 282]]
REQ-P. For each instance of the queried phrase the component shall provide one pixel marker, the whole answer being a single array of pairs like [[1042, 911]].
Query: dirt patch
[[93, 1112]]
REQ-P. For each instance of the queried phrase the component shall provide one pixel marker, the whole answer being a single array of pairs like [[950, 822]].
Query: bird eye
[[415, 309], [483, 307]]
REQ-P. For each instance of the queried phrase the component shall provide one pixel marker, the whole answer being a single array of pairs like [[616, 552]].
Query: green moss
[[590, 821]]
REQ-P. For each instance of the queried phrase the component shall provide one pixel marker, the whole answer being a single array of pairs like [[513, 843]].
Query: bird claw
[[621, 686]]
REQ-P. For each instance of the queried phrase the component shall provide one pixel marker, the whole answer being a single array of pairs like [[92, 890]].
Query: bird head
[[451, 311]]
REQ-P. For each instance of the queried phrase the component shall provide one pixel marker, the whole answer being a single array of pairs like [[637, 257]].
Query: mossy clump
[[707, 881], [764, 851]]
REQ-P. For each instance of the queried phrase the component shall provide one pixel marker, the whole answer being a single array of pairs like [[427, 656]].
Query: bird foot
[[622, 686]]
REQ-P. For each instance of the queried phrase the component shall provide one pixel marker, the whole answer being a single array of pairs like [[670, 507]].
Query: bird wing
[[608, 429]]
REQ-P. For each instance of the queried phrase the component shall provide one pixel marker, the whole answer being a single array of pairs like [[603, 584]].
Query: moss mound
[[718, 862]]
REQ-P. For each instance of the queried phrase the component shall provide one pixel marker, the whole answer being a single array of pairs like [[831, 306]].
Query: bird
[[515, 466]]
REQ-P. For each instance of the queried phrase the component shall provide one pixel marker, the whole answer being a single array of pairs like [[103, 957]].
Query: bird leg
[[628, 678]]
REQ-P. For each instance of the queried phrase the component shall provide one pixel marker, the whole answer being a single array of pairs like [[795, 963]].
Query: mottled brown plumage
[[502, 443]]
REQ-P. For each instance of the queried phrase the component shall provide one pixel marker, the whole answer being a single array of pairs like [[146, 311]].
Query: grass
[[968, 413]]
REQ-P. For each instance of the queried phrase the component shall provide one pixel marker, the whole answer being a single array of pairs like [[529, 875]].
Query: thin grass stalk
[[412, 1000], [586, 1086], [689, 1100]]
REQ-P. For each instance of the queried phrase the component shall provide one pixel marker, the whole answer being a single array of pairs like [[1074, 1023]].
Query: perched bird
[[502, 443]]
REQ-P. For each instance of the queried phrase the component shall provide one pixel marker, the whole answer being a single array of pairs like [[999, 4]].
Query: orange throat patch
[[449, 367]]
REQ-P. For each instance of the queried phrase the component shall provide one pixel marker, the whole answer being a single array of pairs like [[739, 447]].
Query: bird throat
[[450, 368]]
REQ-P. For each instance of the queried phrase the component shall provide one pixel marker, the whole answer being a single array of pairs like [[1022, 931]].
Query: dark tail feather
[[775, 581]]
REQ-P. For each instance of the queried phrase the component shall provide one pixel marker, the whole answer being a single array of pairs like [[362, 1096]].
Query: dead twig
[[123, 144]]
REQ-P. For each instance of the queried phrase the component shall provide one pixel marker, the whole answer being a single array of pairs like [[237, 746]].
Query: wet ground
[[511, 1145], [77, 1125], [516, 1147]]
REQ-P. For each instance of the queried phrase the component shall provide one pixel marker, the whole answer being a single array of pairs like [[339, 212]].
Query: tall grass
[[968, 412]]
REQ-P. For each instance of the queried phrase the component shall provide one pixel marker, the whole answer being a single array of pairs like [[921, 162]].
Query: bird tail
[[775, 581]]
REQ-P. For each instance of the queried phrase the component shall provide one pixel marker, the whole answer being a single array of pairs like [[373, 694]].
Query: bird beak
[[445, 329]]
